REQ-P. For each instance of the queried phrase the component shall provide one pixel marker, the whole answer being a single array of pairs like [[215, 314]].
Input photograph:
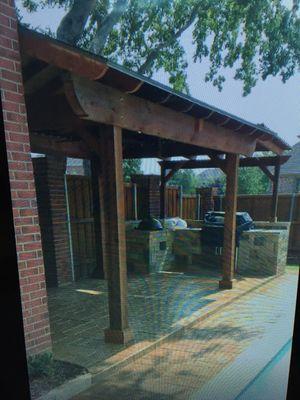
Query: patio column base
[[226, 284], [118, 336]]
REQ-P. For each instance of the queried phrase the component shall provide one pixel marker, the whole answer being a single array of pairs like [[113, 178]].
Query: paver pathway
[[178, 368]]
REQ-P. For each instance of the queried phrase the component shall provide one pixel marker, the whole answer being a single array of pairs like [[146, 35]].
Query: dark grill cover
[[213, 228], [150, 224]]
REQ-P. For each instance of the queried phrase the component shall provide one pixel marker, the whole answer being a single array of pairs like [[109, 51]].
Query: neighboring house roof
[[210, 174], [292, 166]]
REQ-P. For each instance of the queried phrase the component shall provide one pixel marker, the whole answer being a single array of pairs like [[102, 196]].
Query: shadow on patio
[[79, 312]]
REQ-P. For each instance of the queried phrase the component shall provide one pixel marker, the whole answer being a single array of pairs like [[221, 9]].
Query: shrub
[[41, 365]]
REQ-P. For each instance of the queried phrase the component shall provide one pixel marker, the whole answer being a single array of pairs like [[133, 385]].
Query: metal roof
[[117, 76]]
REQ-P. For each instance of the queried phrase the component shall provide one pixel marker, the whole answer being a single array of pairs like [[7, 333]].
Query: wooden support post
[[111, 192], [162, 190], [275, 191], [229, 244], [95, 172], [180, 195]]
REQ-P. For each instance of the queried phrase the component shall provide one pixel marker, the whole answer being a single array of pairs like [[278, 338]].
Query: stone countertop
[[265, 231], [187, 229]]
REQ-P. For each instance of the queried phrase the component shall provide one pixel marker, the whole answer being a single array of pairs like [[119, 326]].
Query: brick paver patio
[[158, 305], [180, 366], [79, 313]]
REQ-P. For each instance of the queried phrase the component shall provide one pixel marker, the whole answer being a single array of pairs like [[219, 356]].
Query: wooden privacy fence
[[259, 207], [179, 204], [81, 225], [187, 206]]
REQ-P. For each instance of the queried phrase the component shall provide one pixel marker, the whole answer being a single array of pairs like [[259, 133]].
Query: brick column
[[49, 175], [26, 223], [207, 199], [149, 196]]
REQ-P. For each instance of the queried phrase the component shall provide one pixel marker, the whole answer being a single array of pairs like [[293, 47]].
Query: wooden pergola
[[170, 167], [83, 106]]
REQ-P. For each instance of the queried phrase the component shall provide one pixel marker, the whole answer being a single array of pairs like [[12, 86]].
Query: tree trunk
[[106, 25], [72, 25]]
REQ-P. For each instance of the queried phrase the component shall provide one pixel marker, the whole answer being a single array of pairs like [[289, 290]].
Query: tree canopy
[[185, 178], [130, 167], [251, 180], [258, 38]]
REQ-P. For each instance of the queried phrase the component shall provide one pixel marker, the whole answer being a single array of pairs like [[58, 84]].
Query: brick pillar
[[207, 199], [22, 186], [49, 175], [149, 196]]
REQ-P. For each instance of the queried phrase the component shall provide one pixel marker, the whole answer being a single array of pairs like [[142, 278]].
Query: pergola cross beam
[[218, 163]]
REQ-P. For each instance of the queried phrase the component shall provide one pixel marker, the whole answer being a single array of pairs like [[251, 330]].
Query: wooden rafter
[[60, 55], [38, 80]]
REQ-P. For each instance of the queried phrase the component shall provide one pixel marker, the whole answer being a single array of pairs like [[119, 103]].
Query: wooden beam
[[144, 148], [275, 192], [219, 162], [38, 80], [173, 171], [60, 55], [49, 145], [269, 145], [267, 172], [244, 162], [111, 193], [96, 102], [91, 141], [228, 262]]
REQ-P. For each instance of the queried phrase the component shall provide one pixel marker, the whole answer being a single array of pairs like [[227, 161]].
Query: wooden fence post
[[162, 190], [95, 171], [292, 207], [198, 207], [180, 194], [134, 195], [69, 228], [274, 206], [221, 202]]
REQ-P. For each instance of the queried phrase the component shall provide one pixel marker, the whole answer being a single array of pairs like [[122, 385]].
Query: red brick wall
[[27, 230], [207, 199], [49, 176], [149, 188]]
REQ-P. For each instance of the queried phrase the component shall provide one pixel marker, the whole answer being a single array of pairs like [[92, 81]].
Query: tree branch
[[154, 52], [72, 25], [105, 26]]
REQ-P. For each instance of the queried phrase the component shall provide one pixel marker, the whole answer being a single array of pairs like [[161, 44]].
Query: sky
[[271, 102]]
